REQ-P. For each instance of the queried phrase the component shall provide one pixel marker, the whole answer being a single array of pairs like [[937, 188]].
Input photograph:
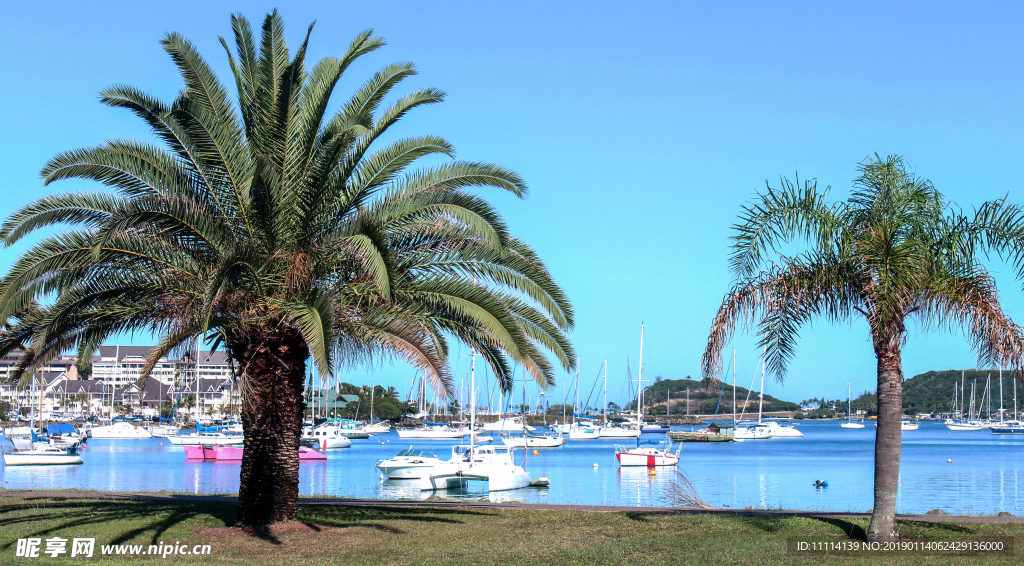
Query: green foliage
[[703, 399], [270, 210]]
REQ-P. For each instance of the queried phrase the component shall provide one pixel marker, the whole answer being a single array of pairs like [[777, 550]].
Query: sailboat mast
[[606, 393], [733, 387], [639, 384], [1000, 393], [760, 396], [576, 403], [962, 382], [472, 394]]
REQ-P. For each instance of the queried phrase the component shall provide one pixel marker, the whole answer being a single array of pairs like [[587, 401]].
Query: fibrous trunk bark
[[888, 446], [273, 365]]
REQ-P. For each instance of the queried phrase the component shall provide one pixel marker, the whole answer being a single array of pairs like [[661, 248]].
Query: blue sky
[[641, 129]]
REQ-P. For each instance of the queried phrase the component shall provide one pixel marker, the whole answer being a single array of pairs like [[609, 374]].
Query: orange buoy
[[535, 452], [324, 444]]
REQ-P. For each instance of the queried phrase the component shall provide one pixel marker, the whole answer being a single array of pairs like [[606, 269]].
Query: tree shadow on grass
[[852, 530], [371, 516], [156, 517]]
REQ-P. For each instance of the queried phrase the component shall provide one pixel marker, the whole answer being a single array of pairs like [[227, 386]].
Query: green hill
[[702, 399], [932, 392]]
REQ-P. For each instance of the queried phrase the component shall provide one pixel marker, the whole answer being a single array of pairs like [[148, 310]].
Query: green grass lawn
[[381, 535]]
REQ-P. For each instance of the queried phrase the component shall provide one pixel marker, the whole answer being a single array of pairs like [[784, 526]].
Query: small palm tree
[[894, 251], [277, 230]]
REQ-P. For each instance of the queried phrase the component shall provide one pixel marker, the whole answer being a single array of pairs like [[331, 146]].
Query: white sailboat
[[375, 427], [850, 421], [646, 455]]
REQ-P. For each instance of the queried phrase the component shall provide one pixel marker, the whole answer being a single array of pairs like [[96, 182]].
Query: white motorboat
[[207, 439], [327, 438], [561, 428], [120, 430], [645, 455], [581, 433], [782, 429], [43, 455], [377, 428], [434, 433], [408, 464], [853, 424], [492, 464], [164, 431], [906, 425], [751, 432], [509, 424], [619, 432], [533, 441]]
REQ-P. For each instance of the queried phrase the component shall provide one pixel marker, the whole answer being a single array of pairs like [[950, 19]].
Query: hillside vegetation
[[703, 399]]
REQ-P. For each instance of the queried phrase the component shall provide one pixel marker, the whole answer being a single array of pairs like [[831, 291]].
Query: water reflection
[[985, 476]]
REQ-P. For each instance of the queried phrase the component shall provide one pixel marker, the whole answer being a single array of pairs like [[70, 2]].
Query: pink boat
[[234, 453]]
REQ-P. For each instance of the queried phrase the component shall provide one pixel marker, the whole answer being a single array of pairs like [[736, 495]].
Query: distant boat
[[207, 439], [432, 433], [655, 427], [851, 422], [120, 430], [533, 441], [234, 453], [508, 424], [962, 425], [905, 425]]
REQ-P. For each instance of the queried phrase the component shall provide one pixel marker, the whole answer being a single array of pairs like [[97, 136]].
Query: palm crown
[[894, 250], [276, 214]]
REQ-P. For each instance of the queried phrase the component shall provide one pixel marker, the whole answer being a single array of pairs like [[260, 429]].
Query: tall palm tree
[[894, 251], [280, 231]]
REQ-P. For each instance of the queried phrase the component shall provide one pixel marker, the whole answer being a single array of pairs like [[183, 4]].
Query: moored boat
[[232, 453], [533, 441], [645, 455], [433, 433], [408, 464], [120, 430], [43, 455], [207, 438]]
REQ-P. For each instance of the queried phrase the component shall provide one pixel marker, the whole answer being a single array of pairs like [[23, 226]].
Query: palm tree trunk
[[888, 446], [273, 367]]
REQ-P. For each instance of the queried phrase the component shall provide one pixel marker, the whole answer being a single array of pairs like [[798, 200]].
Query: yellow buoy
[[535, 452], [652, 472]]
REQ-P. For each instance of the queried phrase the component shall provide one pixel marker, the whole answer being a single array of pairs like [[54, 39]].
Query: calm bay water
[[986, 476]]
